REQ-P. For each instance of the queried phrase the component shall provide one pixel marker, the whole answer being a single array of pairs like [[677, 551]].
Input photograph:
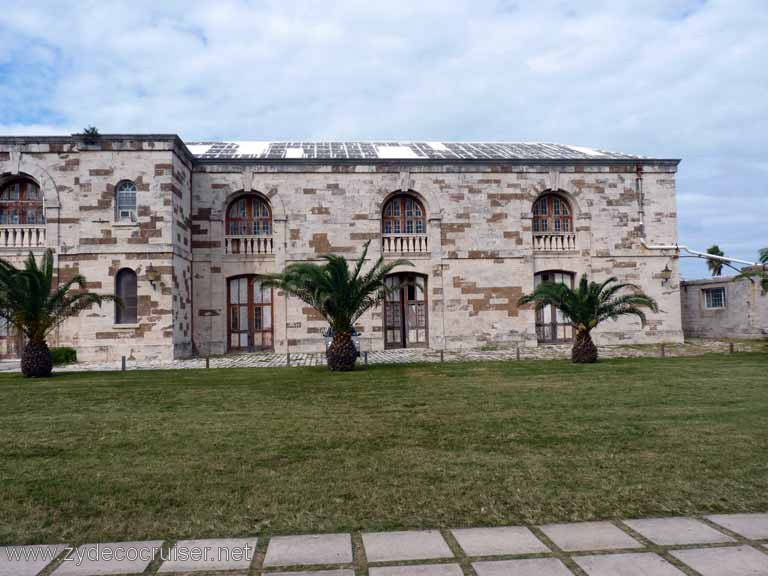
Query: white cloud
[[669, 78]]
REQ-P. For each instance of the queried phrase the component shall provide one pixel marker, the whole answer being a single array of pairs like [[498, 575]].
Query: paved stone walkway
[[405, 356], [718, 545]]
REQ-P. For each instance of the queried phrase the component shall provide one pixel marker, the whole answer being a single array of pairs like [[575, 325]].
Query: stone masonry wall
[[481, 257], [78, 181]]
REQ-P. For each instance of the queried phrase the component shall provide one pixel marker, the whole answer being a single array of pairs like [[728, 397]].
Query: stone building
[[183, 232], [724, 307]]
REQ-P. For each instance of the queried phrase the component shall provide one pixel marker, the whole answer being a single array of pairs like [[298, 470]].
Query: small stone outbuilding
[[724, 307]]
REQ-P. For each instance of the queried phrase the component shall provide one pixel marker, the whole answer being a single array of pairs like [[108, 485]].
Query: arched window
[[403, 215], [125, 289], [249, 216], [552, 215], [125, 194], [21, 203], [248, 226]]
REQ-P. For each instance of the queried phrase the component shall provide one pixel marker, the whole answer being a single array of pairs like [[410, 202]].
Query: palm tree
[[340, 295], [31, 303], [715, 266], [759, 272], [589, 305]]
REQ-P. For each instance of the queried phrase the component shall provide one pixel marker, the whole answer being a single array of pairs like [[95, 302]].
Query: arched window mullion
[[248, 226], [552, 215], [21, 204], [403, 215]]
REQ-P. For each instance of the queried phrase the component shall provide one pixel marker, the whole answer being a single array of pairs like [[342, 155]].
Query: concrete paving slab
[[407, 545], [202, 555], [497, 541], [340, 572], [677, 531], [752, 526], [727, 561], [309, 549], [421, 570], [110, 558], [586, 536], [531, 567], [642, 564], [27, 560]]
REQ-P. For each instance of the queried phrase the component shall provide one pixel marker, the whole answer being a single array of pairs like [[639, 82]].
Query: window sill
[[126, 224], [125, 326]]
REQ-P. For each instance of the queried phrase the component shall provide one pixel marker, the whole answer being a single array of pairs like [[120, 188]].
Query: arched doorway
[[552, 327], [249, 315], [405, 312]]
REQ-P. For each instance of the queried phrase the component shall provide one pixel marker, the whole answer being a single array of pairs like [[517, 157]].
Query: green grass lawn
[[173, 454]]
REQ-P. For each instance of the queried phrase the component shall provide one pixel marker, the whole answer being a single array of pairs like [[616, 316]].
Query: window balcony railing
[[248, 244], [554, 242], [22, 235], [405, 243]]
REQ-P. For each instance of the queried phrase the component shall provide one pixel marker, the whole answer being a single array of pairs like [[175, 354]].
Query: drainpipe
[[675, 247]]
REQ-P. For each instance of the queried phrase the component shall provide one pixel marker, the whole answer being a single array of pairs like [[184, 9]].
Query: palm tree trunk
[[36, 361], [584, 350], [342, 354]]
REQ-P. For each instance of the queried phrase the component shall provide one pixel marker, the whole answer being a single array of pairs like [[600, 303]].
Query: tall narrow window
[[126, 201], [552, 215], [405, 311], [552, 326], [125, 290], [21, 203], [250, 314]]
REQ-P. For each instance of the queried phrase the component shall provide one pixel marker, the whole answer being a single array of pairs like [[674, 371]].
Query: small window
[[125, 289], [126, 201], [714, 298]]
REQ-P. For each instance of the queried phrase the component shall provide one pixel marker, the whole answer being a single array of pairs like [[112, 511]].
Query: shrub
[[63, 355]]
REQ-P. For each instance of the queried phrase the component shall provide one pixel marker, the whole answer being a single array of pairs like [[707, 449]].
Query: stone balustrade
[[549, 242], [248, 245], [405, 243], [22, 236]]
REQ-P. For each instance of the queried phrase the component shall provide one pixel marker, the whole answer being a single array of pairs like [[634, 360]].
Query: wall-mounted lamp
[[153, 275], [665, 275]]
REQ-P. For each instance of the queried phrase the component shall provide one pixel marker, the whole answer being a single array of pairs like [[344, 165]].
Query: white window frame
[[707, 295], [125, 214]]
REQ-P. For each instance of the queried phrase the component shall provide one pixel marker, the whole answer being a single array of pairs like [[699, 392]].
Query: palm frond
[[339, 294], [590, 303], [29, 301]]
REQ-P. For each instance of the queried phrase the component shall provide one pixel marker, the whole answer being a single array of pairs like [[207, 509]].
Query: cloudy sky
[[667, 78]]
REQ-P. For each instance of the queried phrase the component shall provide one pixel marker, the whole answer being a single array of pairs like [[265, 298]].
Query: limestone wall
[[481, 257], [78, 181]]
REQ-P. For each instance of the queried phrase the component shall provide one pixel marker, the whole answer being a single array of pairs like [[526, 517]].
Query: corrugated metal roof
[[393, 150]]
